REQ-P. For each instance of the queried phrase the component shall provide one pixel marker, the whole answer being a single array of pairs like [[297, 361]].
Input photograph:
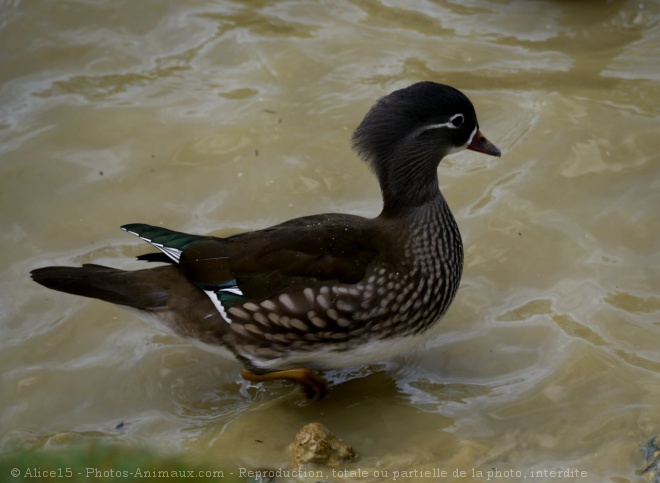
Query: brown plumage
[[322, 291]]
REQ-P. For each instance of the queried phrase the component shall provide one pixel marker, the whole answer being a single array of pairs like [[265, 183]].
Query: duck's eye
[[457, 120]]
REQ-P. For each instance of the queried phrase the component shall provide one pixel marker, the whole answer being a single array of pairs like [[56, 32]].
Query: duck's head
[[406, 134]]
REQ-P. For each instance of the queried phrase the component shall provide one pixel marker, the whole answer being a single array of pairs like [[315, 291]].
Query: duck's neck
[[406, 186]]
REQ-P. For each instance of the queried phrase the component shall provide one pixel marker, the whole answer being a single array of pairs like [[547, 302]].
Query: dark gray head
[[406, 134]]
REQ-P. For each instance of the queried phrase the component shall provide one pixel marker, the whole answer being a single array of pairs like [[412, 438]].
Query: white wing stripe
[[218, 304], [173, 253]]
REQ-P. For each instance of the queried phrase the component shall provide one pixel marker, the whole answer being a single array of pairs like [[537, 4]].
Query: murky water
[[217, 117]]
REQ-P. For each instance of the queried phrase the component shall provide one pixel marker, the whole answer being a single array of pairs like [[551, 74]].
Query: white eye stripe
[[449, 124]]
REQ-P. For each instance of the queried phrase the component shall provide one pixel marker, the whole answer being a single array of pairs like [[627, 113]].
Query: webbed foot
[[315, 386]]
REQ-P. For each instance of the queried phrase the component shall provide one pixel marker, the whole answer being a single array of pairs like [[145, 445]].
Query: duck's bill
[[480, 144]]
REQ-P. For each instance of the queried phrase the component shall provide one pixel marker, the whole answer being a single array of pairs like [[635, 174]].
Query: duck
[[320, 292]]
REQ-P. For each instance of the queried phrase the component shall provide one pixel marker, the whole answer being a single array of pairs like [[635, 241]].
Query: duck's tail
[[129, 288]]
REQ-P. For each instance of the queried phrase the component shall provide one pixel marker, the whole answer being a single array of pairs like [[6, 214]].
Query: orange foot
[[315, 386]]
